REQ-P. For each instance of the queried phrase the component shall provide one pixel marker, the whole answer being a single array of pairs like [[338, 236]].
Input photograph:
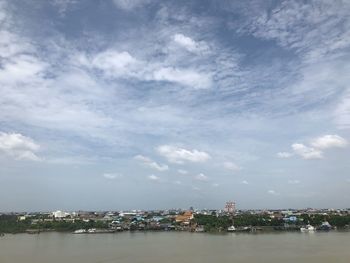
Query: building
[[230, 207], [22, 218], [185, 218], [60, 214]]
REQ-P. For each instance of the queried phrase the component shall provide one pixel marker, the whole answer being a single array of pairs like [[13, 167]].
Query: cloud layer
[[206, 96]]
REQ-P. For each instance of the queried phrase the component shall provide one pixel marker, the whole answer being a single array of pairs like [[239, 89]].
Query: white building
[[60, 214]]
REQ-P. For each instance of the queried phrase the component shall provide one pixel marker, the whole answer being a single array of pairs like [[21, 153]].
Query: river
[[182, 247]]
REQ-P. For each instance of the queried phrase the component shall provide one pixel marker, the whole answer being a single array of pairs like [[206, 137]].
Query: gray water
[[168, 247]]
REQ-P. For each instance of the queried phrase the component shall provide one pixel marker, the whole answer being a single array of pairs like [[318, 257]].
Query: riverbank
[[248, 230], [185, 222]]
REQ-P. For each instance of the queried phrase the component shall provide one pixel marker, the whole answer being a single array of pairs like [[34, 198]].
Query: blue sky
[[131, 104]]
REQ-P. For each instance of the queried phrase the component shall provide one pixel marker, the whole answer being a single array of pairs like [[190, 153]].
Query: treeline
[[256, 220], [334, 220], [213, 222], [10, 224], [68, 226]]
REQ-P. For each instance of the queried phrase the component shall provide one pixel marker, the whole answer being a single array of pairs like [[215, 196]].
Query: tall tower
[[230, 207]]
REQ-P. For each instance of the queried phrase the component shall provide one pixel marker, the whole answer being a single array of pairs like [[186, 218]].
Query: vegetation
[[256, 220], [212, 222], [69, 226], [10, 224]]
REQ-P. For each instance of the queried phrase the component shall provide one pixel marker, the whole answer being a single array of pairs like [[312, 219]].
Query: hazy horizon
[[173, 208], [131, 104]]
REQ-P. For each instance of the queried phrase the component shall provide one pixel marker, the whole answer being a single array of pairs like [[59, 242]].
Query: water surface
[[172, 247]]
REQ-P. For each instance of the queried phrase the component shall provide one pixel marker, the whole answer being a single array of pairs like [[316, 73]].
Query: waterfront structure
[[308, 228], [231, 229]]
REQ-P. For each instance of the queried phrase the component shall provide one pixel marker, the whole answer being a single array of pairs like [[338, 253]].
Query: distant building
[[60, 214], [127, 214], [290, 219], [22, 218], [230, 207], [184, 218]]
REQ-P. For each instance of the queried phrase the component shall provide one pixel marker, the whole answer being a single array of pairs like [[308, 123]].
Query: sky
[[146, 104]]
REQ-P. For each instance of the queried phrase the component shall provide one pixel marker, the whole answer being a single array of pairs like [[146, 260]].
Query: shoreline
[[108, 231]]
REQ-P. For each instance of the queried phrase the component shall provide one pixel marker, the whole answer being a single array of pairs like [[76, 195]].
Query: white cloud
[[185, 77], [19, 146], [232, 166], [201, 177], [318, 145], [293, 182], [122, 65], [245, 182], [307, 152], [189, 44], [152, 177], [181, 171], [216, 185], [186, 42], [112, 176], [9, 45], [177, 182], [130, 4], [195, 188], [113, 63], [329, 141], [284, 155], [179, 155], [20, 69], [149, 162], [272, 192]]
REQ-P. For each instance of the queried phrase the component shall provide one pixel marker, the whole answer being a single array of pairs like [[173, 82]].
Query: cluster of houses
[[176, 219], [119, 221]]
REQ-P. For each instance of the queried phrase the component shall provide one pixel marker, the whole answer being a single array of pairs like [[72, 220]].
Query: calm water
[[176, 247]]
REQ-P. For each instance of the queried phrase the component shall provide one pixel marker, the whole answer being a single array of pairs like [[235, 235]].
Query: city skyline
[[130, 104]]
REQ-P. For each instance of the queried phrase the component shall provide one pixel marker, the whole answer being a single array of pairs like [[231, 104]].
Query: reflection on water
[[176, 247]]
